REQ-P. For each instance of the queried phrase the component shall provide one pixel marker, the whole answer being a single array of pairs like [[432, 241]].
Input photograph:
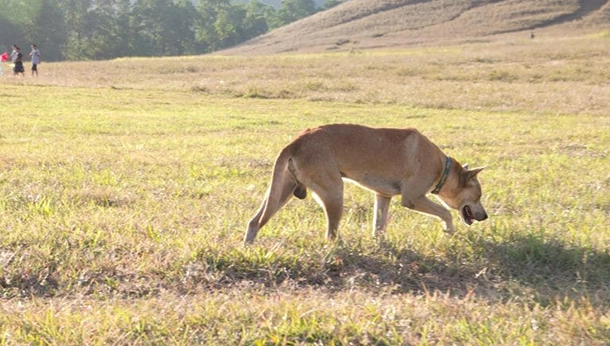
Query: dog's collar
[[441, 182]]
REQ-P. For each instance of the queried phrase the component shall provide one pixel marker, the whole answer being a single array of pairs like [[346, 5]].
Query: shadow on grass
[[548, 268], [541, 269], [520, 266]]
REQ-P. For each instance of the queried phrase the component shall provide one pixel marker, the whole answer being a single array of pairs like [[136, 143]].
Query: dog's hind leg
[[274, 200], [325, 182], [382, 205], [328, 192]]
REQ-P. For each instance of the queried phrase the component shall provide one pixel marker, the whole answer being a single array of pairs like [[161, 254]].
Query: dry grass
[[504, 75], [126, 186], [240, 318]]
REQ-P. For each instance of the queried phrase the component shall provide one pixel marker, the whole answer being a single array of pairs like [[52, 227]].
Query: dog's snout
[[483, 216]]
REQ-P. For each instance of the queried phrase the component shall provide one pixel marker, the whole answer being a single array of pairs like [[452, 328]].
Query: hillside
[[365, 24], [276, 3]]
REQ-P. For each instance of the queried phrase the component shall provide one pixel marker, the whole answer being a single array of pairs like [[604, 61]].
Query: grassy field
[[126, 187]]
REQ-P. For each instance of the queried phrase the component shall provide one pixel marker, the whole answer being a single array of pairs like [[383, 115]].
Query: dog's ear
[[472, 173]]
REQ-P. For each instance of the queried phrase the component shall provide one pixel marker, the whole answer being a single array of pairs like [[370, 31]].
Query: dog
[[387, 161]]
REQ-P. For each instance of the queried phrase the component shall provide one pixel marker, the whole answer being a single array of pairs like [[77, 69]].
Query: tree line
[[106, 29]]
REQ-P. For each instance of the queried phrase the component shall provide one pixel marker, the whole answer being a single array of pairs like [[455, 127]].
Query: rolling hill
[[366, 24], [276, 3]]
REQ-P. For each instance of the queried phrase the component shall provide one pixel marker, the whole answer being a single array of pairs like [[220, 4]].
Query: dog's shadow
[[543, 268]]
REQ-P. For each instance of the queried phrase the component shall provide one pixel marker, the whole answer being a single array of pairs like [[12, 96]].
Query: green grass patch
[[123, 202]]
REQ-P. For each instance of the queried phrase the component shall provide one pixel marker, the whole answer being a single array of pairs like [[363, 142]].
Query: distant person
[[3, 58], [17, 60], [35, 56]]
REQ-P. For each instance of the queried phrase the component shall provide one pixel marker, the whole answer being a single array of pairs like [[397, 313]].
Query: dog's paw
[[448, 228]]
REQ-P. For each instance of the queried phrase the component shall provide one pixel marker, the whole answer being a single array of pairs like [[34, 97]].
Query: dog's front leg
[[426, 206], [382, 205]]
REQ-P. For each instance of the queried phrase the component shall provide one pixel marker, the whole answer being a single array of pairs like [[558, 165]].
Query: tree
[[182, 18], [23, 22], [100, 31], [95, 29], [105, 29], [19, 11], [9, 34], [228, 26], [332, 3], [74, 17], [208, 25], [163, 27], [293, 10], [47, 31], [258, 19], [124, 31]]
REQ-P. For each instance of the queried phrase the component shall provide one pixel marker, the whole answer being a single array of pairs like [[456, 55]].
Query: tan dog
[[387, 161]]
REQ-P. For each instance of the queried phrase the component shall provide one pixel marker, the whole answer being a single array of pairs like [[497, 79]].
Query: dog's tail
[[283, 184], [284, 181]]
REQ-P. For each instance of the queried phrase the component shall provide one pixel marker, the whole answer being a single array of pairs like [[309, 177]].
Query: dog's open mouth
[[467, 215]]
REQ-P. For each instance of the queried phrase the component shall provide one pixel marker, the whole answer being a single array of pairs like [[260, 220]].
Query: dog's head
[[463, 193]]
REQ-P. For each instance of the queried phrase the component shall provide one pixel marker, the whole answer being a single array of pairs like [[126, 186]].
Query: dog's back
[[367, 155]]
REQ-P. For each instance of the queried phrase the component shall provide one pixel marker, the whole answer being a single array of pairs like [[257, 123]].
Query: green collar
[[441, 182]]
